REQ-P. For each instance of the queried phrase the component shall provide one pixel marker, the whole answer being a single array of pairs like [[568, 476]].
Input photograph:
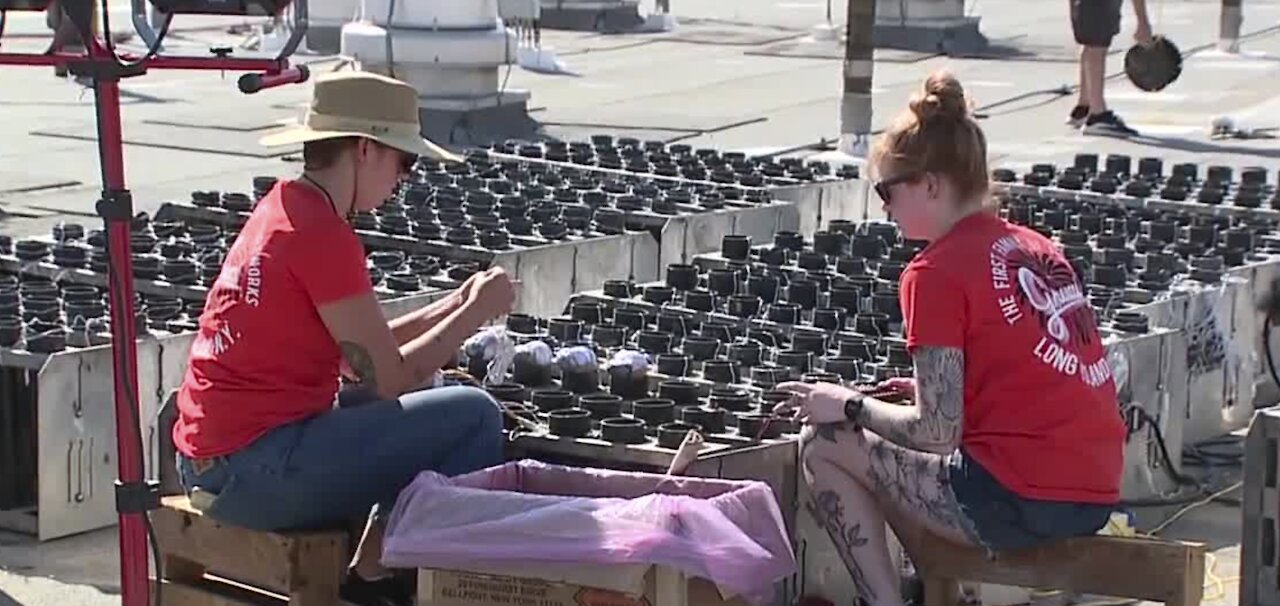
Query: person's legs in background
[[1095, 23], [66, 38]]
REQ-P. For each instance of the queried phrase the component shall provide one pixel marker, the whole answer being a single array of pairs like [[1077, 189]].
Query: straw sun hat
[[362, 104]]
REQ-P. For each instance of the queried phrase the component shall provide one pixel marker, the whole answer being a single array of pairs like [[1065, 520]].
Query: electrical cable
[[1206, 453], [152, 50], [1266, 346], [1178, 477], [1204, 501], [121, 363], [136, 424]]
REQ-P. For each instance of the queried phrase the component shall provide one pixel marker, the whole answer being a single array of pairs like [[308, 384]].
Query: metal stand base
[[326, 40], [948, 36], [587, 18], [479, 126]]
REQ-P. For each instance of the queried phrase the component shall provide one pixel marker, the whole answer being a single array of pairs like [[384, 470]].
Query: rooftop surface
[[734, 75]]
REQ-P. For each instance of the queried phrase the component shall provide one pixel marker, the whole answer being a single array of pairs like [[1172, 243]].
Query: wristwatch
[[853, 407]]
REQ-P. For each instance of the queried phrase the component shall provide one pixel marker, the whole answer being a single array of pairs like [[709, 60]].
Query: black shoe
[[1109, 124], [390, 591], [1078, 115]]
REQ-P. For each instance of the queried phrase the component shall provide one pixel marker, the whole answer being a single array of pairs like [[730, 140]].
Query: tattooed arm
[[935, 422]]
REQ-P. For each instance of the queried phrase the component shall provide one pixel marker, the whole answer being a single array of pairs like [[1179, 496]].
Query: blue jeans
[[334, 467], [997, 519]]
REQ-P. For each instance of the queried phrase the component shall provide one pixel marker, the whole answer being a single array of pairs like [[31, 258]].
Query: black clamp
[[137, 497], [105, 69], [116, 205]]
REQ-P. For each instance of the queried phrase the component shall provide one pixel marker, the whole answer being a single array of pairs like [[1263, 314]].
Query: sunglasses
[[407, 160], [407, 163], [884, 188]]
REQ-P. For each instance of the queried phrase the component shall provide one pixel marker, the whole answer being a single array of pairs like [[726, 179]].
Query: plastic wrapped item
[[491, 352], [528, 513]]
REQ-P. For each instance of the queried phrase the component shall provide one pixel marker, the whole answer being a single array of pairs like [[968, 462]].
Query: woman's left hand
[[815, 403], [465, 291]]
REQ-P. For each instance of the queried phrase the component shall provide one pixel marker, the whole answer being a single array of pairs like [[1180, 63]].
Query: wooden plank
[[318, 566], [1157, 570], [209, 593], [306, 565], [259, 558]]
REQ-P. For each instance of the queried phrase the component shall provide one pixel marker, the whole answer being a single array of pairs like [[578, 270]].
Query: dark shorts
[[1095, 22], [998, 520]]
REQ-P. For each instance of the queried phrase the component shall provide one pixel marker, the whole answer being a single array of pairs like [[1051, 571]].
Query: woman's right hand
[[492, 293], [900, 385]]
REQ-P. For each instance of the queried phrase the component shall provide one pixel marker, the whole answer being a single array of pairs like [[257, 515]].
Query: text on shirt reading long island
[[1051, 297]]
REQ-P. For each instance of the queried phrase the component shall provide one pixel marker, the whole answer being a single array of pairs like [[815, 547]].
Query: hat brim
[[419, 146]]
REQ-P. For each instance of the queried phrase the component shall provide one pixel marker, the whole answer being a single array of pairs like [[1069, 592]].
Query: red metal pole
[[116, 209], [135, 495]]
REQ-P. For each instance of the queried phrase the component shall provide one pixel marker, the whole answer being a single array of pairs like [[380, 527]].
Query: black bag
[[1155, 67]]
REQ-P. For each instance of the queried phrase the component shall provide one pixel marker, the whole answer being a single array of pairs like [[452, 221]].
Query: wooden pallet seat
[[1171, 572], [209, 563]]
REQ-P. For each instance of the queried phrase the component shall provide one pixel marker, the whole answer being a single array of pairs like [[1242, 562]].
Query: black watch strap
[[853, 408]]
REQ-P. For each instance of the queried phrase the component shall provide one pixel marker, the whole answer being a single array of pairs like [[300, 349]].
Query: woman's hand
[[815, 403], [905, 386], [465, 291], [493, 293]]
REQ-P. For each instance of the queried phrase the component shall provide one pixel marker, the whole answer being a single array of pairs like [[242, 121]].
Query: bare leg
[[850, 514], [1093, 66], [1083, 98], [856, 478]]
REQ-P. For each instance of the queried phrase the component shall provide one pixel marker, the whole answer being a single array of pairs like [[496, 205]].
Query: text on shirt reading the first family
[[1053, 303]]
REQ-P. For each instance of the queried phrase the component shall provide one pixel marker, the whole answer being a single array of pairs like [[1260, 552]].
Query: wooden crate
[[1171, 572], [209, 563]]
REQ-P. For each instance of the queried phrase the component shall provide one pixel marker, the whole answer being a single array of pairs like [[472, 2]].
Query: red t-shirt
[[263, 358], [1040, 408]]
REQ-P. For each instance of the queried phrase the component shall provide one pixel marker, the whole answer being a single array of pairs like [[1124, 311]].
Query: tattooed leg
[[857, 480], [849, 513], [912, 483]]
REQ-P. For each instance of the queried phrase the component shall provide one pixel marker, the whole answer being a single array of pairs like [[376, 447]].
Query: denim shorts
[[995, 518]]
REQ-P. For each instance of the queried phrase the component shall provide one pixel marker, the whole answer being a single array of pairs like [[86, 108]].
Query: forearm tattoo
[[825, 507], [361, 364], [935, 422]]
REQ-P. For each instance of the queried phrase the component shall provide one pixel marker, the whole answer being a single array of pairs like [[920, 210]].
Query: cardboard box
[[663, 586]]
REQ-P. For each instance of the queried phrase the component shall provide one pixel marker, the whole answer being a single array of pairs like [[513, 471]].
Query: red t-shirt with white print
[[1040, 409], [263, 358]]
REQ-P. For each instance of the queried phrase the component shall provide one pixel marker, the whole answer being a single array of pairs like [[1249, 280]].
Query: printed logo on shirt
[[214, 343], [253, 286], [1040, 286], [244, 282]]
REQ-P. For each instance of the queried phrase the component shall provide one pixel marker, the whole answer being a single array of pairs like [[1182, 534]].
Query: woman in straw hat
[[260, 442]]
